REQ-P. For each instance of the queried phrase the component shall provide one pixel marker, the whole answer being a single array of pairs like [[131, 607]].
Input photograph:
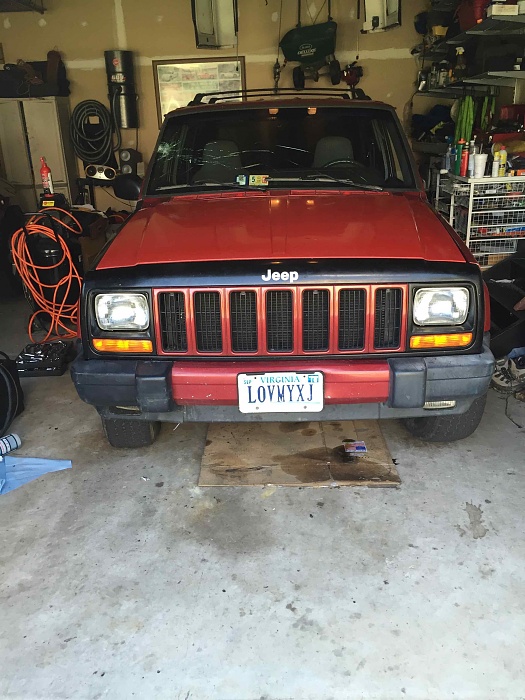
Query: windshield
[[331, 146]]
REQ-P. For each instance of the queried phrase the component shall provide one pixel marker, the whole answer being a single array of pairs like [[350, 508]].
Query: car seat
[[331, 148], [221, 162]]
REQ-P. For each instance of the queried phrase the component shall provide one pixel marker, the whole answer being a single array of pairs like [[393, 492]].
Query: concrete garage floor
[[115, 586]]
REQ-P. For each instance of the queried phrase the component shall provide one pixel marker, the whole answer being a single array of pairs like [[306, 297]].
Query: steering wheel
[[338, 161]]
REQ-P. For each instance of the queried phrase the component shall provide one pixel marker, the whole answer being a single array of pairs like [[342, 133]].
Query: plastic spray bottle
[[471, 154], [446, 163], [464, 161], [495, 165], [502, 161], [459, 153], [447, 160]]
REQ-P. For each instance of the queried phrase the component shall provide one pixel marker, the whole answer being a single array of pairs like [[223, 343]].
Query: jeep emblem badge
[[283, 276]]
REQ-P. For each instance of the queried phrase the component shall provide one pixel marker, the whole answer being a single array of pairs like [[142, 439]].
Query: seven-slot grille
[[294, 321]]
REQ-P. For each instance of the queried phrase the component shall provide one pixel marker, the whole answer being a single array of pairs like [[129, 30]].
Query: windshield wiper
[[316, 177], [320, 177], [212, 183]]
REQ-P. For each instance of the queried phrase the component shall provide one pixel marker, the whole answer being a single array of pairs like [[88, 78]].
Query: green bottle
[[461, 144]]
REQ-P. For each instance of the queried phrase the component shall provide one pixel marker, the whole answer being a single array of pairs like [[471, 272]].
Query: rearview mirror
[[127, 187]]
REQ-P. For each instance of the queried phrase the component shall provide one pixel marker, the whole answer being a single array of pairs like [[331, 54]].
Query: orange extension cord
[[64, 316]]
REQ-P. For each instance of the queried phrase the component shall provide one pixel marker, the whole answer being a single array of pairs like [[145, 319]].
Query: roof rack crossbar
[[260, 92]]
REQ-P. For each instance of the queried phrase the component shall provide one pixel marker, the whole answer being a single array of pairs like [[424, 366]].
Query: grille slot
[[172, 310], [279, 321], [208, 330], [387, 330], [316, 320], [243, 321], [352, 319]]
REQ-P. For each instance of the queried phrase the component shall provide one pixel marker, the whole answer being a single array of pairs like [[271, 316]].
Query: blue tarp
[[17, 471]]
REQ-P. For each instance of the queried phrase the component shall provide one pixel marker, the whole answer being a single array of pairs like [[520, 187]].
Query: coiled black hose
[[13, 398], [91, 129]]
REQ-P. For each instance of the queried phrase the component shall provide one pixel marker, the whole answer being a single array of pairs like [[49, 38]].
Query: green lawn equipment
[[313, 47]]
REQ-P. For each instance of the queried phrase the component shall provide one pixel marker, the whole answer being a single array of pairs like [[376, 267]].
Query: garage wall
[[162, 29]]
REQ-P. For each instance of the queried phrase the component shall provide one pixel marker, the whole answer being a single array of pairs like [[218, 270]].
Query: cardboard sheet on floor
[[295, 454]]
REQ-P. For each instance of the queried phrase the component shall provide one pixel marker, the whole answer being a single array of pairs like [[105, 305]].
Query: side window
[[395, 160], [392, 165]]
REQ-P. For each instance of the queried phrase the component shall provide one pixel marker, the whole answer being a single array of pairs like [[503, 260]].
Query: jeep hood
[[282, 225]]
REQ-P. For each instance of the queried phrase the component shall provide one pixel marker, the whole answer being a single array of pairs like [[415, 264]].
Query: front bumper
[[354, 389]]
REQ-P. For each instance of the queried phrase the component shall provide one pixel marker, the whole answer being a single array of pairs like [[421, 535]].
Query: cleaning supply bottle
[[460, 69], [45, 176], [434, 76], [443, 73], [502, 161], [459, 153], [453, 151], [447, 161], [463, 167], [471, 154], [495, 165]]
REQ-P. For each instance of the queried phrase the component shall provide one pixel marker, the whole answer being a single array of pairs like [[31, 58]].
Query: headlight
[[441, 306], [122, 312]]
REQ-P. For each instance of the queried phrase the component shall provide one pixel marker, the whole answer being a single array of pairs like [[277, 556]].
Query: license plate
[[281, 392]]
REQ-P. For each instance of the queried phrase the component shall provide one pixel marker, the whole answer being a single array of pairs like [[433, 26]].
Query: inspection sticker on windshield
[[281, 392], [253, 180]]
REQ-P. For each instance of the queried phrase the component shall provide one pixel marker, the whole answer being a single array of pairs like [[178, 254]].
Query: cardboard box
[[495, 258]]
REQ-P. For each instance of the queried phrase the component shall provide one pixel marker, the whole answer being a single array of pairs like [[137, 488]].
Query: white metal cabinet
[[43, 134], [30, 128], [15, 156]]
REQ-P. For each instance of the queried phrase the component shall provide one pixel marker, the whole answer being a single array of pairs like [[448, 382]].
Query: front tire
[[130, 433], [447, 428]]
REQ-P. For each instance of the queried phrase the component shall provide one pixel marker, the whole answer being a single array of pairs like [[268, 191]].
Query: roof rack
[[261, 92]]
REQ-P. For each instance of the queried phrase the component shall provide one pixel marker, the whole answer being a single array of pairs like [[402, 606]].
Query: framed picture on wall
[[178, 81]]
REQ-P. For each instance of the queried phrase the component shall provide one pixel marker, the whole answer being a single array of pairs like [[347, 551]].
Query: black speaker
[[129, 159]]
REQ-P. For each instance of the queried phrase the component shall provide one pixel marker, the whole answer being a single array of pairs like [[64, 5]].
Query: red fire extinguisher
[[45, 175]]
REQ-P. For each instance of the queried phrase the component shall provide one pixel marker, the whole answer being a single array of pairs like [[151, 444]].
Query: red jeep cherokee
[[284, 264]]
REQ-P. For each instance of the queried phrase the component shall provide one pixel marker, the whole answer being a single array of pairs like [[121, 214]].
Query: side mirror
[[127, 187]]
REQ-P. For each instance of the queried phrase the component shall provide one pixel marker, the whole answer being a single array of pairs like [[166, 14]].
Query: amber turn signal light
[[122, 345], [443, 340]]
